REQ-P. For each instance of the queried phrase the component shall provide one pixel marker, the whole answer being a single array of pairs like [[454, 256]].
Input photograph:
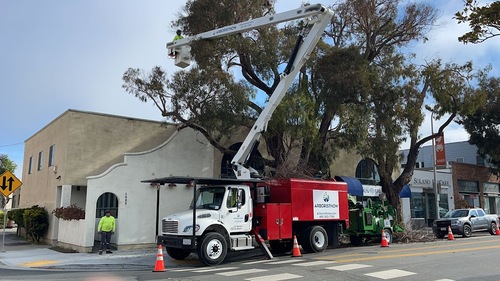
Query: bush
[[1, 218], [68, 213], [36, 221], [17, 216]]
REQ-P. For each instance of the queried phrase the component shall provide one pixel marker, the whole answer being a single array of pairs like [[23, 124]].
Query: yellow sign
[[8, 183]]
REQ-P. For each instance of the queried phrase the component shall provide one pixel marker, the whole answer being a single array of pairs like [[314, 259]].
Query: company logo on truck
[[326, 204]]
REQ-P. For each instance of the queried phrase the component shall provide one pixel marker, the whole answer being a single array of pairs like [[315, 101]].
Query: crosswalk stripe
[[348, 267], [283, 262], [259, 261], [445, 280], [214, 269], [276, 277], [314, 263], [389, 274], [241, 272]]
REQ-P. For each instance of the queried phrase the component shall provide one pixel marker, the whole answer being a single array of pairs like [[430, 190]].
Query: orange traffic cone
[[159, 266], [296, 249], [498, 230], [384, 242], [450, 234]]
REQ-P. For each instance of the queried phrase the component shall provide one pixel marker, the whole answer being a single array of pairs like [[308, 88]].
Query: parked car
[[464, 222]]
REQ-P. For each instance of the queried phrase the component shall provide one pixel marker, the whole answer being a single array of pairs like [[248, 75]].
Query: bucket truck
[[239, 214]]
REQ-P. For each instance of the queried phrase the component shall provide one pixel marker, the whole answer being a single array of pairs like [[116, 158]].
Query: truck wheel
[[467, 231], [493, 228], [315, 239], [388, 235], [212, 249], [178, 254], [281, 247]]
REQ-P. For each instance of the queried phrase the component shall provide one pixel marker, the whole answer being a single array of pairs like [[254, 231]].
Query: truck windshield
[[209, 198], [457, 214]]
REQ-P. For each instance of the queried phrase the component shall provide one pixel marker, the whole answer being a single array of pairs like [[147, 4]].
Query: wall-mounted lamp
[[59, 178], [190, 184], [171, 185]]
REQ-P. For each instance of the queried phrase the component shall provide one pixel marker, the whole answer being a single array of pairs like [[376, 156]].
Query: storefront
[[422, 202], [491, 198]]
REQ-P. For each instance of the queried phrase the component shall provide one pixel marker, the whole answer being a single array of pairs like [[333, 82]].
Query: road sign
[[8, 183]]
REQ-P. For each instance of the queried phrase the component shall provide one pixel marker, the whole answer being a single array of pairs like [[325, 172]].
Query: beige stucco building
[[97, 162]]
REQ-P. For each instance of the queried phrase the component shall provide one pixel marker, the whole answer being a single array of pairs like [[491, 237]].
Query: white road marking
[[277, 277], [314, 263], [241, 272], [260, 261], [351, 266], [285, 261], [214, 269], [389, 274], [445, 280]]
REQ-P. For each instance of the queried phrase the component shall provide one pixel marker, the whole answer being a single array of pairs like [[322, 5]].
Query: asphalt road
[[461, 259]]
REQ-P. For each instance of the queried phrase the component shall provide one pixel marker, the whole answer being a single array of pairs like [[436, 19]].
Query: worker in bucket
[[178, 35], [106, 228]]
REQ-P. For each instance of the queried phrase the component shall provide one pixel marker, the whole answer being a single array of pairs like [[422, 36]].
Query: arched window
[[107, 201], [367, 172], [255, 162]]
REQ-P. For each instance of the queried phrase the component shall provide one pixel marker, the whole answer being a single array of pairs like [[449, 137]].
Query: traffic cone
[[159, 266], [384, 242], [498, 230], [450, 234], [296, 249]]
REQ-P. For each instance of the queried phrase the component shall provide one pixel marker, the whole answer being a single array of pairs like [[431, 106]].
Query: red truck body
[[294, 201]]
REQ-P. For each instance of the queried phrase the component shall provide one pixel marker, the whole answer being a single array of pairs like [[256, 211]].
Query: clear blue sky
[[58, 54]]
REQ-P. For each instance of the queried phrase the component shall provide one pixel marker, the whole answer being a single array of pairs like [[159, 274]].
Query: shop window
[[468, 186], [367, 172]]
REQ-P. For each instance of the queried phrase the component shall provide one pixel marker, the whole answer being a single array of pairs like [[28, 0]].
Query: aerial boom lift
[[317, 17]]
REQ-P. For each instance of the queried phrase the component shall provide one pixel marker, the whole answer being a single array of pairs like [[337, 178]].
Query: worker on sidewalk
[[106, 228]]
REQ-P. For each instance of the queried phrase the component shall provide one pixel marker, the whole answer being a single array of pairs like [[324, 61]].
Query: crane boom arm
[[318, 16]]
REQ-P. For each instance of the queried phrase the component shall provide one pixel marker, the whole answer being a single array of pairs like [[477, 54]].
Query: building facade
[[466, 181]]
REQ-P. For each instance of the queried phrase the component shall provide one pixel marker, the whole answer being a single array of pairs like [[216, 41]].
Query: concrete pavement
[[21, 254]]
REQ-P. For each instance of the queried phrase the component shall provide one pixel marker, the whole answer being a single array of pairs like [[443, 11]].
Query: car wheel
[[467, 231], [212, 249], [315, 239], [493, 228], [178, 254]]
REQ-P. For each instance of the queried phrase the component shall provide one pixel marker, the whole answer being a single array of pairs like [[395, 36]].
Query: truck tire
[[388, 235], [177, 254], [212, 249], [281, 247], [467, 231], [493, 228], [315, 239]]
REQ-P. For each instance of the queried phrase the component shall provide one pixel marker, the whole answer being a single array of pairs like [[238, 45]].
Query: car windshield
[[456, 214], [209, 198]]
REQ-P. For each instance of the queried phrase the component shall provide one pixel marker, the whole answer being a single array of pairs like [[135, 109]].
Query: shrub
[[36, 221], [68, 213], [1, 218], [17, 216]]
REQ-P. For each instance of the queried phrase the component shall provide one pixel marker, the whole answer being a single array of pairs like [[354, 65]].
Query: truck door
[[238, 206], [475, 220], [482, 219]]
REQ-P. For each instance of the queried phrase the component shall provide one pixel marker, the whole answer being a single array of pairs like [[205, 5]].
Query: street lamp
[[434, 165]]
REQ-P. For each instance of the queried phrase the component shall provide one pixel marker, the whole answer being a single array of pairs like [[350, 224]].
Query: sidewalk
[[21, 254]]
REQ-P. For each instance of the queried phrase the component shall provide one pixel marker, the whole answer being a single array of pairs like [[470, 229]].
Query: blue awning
[[354, 186], [405, 192]]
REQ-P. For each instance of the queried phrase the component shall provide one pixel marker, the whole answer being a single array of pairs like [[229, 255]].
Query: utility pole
[[434, 169]]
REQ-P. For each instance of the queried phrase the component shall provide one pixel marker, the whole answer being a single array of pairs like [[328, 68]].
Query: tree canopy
[[484, 21], [359, 91]]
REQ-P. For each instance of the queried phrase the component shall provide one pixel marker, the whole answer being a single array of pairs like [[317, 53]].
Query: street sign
[[8, 183]]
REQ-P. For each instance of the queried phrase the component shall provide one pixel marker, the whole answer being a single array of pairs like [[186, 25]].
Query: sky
[[57, 55]]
